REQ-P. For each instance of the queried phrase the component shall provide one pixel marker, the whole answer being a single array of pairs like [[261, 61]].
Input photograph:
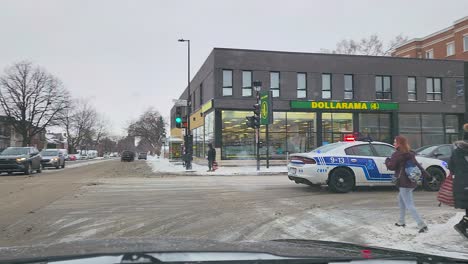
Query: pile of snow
[[161, 165]]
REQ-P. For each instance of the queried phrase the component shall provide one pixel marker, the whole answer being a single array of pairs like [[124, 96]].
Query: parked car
[[127, 155], [344, 165], [83, 156], [53, 158], [72, 157], [143, 155], [442, 152], [20, 159], [65, 153]]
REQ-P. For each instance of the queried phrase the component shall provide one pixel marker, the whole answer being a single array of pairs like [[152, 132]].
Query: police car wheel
[[341, 180], [433, 183]]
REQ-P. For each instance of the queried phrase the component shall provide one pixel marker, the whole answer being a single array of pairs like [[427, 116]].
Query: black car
[[20, 159], [127, 155], [143, 155], [442, 152]]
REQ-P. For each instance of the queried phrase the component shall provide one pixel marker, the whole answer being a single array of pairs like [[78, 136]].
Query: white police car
[[344, 165]]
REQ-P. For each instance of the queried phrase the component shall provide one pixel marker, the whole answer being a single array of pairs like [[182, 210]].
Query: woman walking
[[406, 187], [458, 166]]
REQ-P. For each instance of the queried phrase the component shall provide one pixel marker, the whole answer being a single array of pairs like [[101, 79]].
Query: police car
[[344, 165]]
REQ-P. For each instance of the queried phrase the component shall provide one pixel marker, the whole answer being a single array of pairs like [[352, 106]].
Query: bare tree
[[32, 99], [150, 127], [79, 121], [372, 45]]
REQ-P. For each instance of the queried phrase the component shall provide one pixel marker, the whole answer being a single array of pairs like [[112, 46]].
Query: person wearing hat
[[458, 166]]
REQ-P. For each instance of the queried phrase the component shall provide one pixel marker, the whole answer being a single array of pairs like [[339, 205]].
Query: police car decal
[[370, 169]]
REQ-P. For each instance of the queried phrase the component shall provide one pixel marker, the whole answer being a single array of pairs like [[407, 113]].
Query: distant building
[[11, 138], [448, 43]]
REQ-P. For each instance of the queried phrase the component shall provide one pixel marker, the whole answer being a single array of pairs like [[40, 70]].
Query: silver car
[[52, 158]]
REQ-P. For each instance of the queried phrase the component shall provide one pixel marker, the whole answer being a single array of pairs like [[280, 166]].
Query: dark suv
[[20, 159], [127, 155]]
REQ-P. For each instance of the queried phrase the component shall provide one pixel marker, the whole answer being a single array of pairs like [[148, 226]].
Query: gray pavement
[[113, 199]]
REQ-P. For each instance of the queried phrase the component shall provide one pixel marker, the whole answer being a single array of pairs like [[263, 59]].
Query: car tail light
[[302, 159]]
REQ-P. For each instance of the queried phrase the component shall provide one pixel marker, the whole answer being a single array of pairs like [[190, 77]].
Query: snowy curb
[[169, 168]]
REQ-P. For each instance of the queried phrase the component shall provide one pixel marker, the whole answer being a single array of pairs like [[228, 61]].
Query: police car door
[[382, 152], [361, 158]]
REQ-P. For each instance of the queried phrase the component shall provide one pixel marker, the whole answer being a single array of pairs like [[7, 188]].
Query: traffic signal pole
[[257, 128]]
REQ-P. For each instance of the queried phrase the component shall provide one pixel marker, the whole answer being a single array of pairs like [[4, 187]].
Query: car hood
[[13, 156], [285, 248], [49, 157]]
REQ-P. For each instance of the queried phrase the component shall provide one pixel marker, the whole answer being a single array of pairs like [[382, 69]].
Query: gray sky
[[124, 55]]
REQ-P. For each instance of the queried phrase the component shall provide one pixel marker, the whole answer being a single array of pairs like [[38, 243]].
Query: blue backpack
[[412, 171]]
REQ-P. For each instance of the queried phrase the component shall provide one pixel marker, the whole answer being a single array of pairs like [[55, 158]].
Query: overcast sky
[[124, 55]]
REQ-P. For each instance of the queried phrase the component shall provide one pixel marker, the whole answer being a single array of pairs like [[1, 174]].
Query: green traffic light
[[178, 120]]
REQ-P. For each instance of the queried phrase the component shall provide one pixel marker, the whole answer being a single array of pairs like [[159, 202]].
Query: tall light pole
[[189, 139]]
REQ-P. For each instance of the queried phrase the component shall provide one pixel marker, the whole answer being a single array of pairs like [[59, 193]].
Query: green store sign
[[332, 105]]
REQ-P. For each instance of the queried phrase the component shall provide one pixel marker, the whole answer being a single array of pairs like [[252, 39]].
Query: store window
[[452, 128], [376, 126], [238, 140], [301, 130], [227, 82], [422, 129], [335, 126], [209, 128]]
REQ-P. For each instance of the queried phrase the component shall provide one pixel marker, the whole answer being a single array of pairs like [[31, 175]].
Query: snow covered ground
[[164, 166]]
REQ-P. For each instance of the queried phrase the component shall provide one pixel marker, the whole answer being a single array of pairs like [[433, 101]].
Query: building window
[[275, 83], [326, 86], [227, 82], [348, 86], [201, 94], [430, 54], [451, 49], [301, 85], [465, 43], [246, 83], [383, 87], [433, 89], [412, 89]]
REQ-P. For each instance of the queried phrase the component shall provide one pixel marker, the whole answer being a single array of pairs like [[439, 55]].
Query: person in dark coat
[[405, 186], [458, 166], [211, 156]]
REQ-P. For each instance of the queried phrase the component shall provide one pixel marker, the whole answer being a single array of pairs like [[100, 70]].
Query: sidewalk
[[175, 168]]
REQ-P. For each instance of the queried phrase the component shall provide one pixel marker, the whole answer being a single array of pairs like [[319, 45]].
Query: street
[[126, 199]]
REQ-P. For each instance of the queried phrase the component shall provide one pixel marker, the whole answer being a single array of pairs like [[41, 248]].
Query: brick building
[[448, 43]]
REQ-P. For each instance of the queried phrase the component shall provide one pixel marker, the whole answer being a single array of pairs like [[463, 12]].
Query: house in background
[[9, 137], [448, 43]]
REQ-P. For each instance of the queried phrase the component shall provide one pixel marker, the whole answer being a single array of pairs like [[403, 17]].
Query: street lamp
[[188, 141]]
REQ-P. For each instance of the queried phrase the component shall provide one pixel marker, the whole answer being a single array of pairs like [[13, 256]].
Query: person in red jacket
[[405, 186]]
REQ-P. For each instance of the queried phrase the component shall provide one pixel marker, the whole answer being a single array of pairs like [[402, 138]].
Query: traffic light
[[250, 121], [256, 116], [178, 117]]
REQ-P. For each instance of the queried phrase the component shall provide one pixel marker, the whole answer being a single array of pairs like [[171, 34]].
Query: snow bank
[[164, 166]]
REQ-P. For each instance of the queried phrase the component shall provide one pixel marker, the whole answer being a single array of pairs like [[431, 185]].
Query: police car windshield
[[328, 147]]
